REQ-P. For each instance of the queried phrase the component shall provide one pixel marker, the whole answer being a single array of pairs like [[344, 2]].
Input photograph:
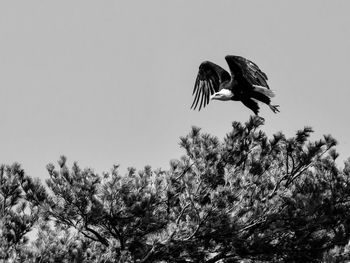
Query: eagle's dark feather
[[247, 69], [208, 81], [251, 104]]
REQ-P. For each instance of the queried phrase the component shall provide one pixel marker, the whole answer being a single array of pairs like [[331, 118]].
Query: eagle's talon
[[274, 108]]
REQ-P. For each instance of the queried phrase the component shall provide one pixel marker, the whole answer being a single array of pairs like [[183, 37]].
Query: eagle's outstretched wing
[[207, 83], [243, 68]]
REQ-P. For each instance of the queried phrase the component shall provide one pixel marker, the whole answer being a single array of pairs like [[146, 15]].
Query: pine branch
[[99, 237], [177, 221]]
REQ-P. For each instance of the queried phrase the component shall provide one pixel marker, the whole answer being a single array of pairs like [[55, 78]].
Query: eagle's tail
[[264, 95]]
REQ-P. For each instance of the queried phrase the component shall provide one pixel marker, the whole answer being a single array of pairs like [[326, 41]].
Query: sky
[[110, 82]]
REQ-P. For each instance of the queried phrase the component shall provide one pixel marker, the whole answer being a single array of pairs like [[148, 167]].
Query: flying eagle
[[247, 83]]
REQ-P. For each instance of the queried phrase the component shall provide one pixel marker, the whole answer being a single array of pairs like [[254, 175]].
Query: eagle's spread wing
[[243, 68], [207, 83]]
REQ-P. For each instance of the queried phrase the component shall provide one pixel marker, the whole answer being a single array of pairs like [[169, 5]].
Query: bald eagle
[[247, 83]]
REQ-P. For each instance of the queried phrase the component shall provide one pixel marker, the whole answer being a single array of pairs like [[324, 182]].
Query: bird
[[246, 83]]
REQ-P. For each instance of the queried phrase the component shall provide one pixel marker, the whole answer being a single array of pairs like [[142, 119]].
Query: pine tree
[[247, 197], [20, 201], [118, 212], [262, 199]]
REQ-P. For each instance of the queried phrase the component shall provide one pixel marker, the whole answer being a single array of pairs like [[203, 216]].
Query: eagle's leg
[[274, 108]]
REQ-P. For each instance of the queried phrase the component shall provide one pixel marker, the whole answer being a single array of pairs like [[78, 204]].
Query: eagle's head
[[224, 94]]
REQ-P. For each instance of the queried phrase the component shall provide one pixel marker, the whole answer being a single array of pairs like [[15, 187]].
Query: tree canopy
[[246, 197]]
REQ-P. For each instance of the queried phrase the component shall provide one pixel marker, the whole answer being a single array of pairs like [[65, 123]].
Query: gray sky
[[106, 82]]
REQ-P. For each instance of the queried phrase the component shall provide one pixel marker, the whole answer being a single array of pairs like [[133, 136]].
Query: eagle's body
[[247, 83]]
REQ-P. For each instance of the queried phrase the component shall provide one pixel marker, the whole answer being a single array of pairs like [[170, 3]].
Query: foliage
[[117, 211], [20, 197], [244, 198], [278, 200]]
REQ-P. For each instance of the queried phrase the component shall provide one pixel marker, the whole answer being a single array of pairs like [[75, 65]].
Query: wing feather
[[244, 69], [208, 81], [200, 105], [195, 101], [194, 88]]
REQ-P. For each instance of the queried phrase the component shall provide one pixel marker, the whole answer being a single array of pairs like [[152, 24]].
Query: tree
[[278, 200], [119, 212], [20, 200], [247, 197]]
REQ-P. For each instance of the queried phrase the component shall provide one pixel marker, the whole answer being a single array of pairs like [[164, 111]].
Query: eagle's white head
[[224, 94]]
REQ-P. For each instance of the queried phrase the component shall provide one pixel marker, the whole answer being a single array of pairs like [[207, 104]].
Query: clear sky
[[106, 82]]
